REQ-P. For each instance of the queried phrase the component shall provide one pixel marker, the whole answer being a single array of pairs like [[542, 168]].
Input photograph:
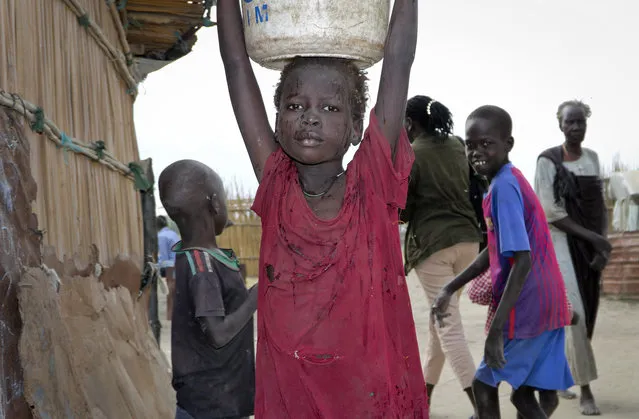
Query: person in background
[[570, 189], [443, 233], [167, 238]]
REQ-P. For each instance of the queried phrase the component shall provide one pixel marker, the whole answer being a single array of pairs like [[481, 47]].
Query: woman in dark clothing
[[478, 187], [443, 237], [569, 187]]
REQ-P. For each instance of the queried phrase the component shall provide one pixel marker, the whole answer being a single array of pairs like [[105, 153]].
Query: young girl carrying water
[[336, 336]]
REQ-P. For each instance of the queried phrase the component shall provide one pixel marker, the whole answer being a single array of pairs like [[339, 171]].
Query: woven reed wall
[[50, 60], [244, 236]]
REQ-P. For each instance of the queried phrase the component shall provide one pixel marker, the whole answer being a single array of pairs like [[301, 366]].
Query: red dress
[[336, 336]]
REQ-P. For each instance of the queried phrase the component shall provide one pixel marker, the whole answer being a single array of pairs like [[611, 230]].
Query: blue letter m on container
[[261, 13]]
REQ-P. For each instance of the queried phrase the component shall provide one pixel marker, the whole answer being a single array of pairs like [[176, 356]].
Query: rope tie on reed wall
[[38, 122], [67, 144], [96, 151], [141, 181], [99, 148], [133, 90], [84, 20]]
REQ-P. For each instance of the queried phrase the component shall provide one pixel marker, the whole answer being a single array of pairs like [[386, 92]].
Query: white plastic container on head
[[278, 30]]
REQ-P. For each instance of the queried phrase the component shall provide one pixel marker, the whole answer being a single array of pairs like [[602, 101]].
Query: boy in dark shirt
[[212, 331]]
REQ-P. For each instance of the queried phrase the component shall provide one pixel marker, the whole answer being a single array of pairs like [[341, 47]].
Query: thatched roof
[[161, 31]]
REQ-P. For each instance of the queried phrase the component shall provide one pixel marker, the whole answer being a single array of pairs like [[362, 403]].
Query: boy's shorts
[[539, 362]]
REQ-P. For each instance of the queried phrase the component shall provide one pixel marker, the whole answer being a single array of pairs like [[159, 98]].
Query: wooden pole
[[150, 243]]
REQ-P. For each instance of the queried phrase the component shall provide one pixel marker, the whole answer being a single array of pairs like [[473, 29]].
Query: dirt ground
[[616, 347]]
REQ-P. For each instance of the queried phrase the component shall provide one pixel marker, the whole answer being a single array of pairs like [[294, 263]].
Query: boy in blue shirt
[[525, 342]]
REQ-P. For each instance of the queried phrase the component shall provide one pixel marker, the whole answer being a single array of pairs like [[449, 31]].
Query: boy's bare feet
[[548, 401], [568, 395], [587, 404]]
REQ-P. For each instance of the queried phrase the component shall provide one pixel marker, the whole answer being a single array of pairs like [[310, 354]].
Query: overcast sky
[[526, 57]]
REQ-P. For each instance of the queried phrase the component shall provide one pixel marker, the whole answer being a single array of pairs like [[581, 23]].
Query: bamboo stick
[[121, 32]]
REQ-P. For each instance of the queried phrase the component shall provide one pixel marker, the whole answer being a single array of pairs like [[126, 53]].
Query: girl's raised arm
[[399, 53], [243, 88]]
